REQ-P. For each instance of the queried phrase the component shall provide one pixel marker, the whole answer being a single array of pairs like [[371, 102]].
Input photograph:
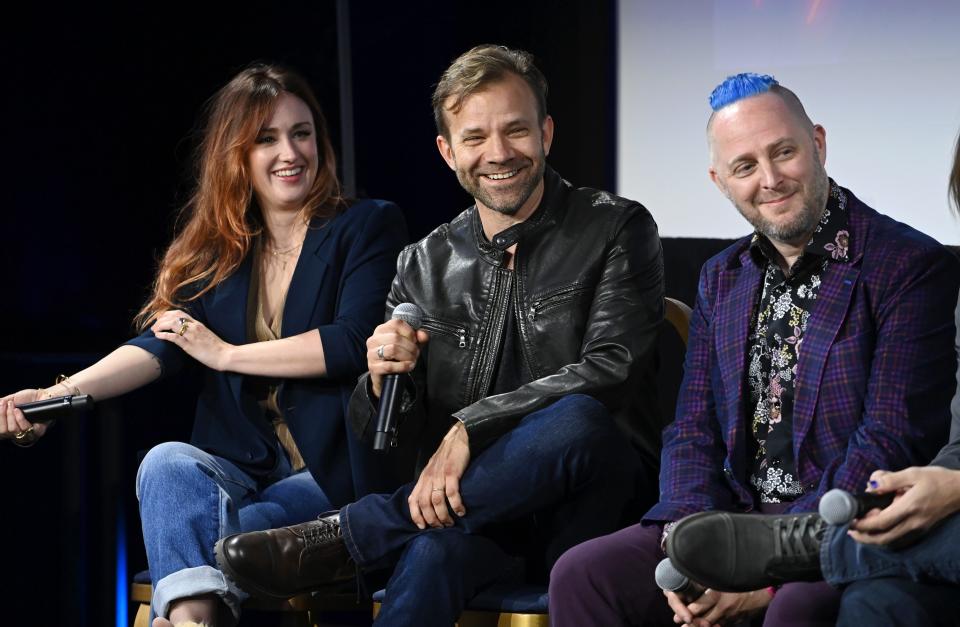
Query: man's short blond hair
[[479, 67]]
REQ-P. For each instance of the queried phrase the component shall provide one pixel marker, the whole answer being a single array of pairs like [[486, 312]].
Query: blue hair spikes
[[740, 86]]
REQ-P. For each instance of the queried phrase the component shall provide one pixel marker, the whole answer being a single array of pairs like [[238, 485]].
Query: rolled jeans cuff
[[192, 582]]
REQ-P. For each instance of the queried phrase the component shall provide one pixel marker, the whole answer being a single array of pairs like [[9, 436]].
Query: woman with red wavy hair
[[268, 292]]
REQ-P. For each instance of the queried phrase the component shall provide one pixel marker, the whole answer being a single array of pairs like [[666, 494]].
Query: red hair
[[222, 218]]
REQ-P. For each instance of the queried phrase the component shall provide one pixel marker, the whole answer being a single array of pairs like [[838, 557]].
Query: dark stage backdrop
[[103, 111]]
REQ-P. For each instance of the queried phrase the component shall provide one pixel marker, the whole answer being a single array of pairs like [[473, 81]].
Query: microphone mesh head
[[838, 507], [409, 313], [668, 577]]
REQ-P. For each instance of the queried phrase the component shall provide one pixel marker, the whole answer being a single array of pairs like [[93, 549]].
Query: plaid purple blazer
[[874, 379]]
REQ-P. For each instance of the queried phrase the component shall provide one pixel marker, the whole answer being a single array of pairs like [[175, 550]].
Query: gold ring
[[438, 489], [22, 435], [183, 327]]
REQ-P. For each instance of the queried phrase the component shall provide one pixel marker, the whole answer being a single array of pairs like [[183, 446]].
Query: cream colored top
[[264, 332]]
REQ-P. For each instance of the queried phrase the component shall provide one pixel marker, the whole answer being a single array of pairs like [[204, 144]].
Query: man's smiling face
[[498, 147]]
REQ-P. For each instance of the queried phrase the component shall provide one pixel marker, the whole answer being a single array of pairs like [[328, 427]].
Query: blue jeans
[[568, 464], [189, 499], [912, 585]]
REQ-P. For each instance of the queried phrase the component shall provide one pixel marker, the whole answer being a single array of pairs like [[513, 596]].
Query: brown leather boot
[[281, 563]]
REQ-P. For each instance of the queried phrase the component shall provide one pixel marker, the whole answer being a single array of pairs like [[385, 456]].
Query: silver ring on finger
[[380, 353]]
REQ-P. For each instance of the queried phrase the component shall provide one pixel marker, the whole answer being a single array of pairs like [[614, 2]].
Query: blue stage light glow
[[123, 600]]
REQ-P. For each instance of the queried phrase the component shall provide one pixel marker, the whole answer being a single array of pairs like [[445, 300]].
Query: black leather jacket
[[589, 297]]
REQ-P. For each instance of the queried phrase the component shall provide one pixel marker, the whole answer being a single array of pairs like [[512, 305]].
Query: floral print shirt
[[774, 345]]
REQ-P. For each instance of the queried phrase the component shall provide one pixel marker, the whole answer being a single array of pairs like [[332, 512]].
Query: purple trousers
[[608, 581]]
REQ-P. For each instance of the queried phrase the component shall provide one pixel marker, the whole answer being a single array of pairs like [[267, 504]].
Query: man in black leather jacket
[[534, 399]]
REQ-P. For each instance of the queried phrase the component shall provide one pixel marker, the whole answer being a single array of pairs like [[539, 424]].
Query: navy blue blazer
[[339, 287]]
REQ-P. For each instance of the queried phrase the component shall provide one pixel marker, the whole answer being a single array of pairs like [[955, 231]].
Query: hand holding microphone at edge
[[26, 415], [14, 426], [919, 497]]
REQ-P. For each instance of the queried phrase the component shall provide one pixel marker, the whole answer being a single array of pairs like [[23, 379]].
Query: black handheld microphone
[[390, 395], [56, 407], [838, 507], [672, 580]]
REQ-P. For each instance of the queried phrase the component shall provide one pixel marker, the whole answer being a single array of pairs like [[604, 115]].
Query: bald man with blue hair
[[820, 349]]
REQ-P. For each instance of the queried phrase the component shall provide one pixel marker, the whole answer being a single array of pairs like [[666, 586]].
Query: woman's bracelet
[[65, 382]]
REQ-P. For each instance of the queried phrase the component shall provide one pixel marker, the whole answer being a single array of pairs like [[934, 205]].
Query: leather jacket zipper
[[525, 344], [548, 302], [432, 325], [489, 352]]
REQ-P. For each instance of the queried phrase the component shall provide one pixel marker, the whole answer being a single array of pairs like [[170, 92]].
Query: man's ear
[[546, 132], [715, 177], [446, 151], [820, 141]]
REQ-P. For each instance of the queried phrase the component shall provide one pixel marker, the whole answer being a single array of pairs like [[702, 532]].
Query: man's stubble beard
[[481, 195], [815, 203]]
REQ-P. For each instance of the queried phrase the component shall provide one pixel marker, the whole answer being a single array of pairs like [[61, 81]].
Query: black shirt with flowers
[[774, 345]]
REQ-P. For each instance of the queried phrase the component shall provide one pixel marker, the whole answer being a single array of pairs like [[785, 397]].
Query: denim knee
[[583, 432], [167, 464], [578, 421], [582, 409], [436, 548]]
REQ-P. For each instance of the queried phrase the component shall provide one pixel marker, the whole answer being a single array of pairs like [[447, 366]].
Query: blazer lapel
[[829, 312], [737, 291], [227, 312], [307, 277]]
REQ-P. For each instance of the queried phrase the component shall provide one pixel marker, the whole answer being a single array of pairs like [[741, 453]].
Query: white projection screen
[[882, 76]]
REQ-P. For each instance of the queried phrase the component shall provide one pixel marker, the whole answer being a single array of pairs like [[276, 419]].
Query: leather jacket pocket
[[557, 298], [452, 330]]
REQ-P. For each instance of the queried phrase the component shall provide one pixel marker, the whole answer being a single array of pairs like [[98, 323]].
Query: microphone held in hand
[[672, 580], [391, 394], [56, 407], [838, 507]]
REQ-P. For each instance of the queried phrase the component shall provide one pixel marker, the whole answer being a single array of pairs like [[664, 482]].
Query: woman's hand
[[925, 496], [194, 338], [14, 425]]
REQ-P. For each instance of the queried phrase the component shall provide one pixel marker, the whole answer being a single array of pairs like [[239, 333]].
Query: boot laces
[[798, 538], [322, 531]]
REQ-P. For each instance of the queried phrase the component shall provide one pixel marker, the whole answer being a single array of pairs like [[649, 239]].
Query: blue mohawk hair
[[740, 86]]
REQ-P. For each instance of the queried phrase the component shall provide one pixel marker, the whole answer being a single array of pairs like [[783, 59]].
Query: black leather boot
[[744, 552]]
